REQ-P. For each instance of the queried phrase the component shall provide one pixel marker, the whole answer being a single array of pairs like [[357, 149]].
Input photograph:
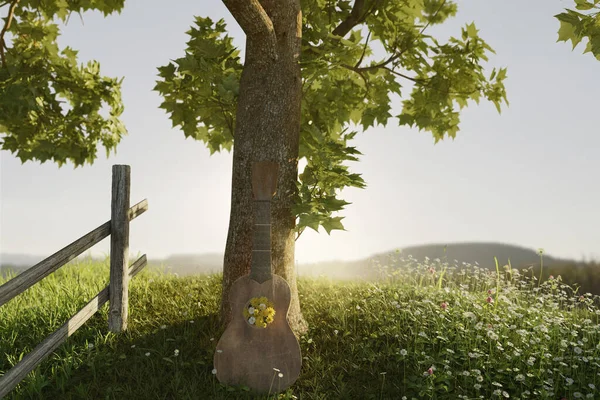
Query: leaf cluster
[[322, 178], [575, 26], [341, 89], [200, 90], [51, 108], [342, 86]]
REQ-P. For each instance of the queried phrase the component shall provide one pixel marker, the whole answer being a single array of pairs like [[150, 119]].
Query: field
[[430, 330]]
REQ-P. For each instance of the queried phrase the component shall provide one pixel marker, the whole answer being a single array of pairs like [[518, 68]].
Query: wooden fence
[[116, 292]]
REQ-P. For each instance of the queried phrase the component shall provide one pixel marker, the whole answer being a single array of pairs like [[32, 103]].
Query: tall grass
[[429, 330]]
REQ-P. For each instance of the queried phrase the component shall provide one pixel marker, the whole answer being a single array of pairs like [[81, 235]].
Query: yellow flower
[[261, 310]]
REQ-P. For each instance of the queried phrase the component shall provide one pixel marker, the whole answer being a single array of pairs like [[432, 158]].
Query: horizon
[[519, 177], [88, 254]]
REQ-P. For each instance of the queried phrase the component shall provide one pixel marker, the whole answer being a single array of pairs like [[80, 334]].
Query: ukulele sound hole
[[259, 312]]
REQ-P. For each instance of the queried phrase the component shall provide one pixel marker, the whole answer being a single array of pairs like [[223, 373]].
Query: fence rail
[[31, 276], [116, 292]]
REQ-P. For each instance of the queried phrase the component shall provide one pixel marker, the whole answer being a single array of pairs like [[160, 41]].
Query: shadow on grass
[[169, 362], [167, 352]]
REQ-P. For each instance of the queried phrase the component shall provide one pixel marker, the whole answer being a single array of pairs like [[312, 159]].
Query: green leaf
[[565, 32], [310, 220], [167, 70], [471, 30], [333, 204], [583, 5], [333, 223]]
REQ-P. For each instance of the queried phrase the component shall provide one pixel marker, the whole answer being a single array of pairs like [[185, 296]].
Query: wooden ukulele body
[[249, 353]]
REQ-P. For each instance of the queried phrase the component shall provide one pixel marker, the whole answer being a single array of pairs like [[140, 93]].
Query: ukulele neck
[[261, 247]]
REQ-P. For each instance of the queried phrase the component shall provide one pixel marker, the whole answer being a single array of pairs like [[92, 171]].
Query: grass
[[431, 330]]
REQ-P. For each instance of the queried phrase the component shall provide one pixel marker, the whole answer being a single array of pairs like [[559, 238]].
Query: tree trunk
[[267, 129]]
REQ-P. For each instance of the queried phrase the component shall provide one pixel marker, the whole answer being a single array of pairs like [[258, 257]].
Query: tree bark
[[267, 129]]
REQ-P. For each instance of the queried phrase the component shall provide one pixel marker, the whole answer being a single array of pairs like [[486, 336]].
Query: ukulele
[[258, 348]]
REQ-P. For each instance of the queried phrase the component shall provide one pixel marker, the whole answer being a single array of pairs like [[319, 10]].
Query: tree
[[575, 26], [49, 105], [308, 79], [305, 78]]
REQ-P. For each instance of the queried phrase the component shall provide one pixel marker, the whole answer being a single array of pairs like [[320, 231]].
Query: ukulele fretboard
[[261, 246]]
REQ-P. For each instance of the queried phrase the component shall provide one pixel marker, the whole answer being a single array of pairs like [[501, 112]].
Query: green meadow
[[428, 330]]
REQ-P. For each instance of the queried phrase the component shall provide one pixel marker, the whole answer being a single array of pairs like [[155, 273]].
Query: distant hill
[[483, 253]]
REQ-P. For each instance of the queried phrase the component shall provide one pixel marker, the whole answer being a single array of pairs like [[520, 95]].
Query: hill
[[482, 253]]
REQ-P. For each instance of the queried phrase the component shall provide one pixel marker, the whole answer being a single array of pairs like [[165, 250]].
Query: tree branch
[[393, 57], [364, 50], [228, 118], [9, 18], [352, 20], [384, 63], [361, 70], [360, 12], [255, 22], [415, 80], [434, 15]]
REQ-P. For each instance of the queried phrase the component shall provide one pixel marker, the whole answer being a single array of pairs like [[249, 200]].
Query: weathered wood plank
[[137, 266], [16, 374], [29, 277], [119, 248], [137, 210]]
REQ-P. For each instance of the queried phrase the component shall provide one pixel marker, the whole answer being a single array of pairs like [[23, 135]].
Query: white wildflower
[[569, 381]]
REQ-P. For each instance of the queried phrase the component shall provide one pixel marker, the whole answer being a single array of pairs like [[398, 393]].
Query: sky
[[527, 177]]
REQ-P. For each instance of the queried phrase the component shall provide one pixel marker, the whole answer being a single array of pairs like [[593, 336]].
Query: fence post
[[119, 248]]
